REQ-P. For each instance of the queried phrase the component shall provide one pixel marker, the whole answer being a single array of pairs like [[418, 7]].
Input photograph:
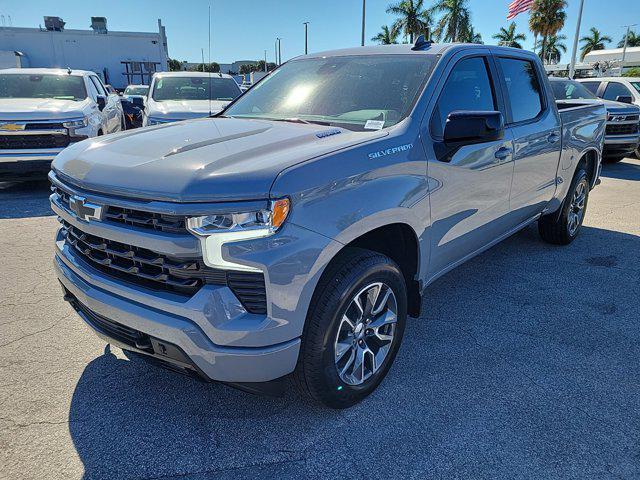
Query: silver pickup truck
[[291, 236]]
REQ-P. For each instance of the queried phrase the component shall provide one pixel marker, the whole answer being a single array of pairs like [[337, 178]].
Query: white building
[[120, 58]]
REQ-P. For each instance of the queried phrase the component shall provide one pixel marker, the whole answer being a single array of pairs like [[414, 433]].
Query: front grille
[[159, 272], [43, 126], [623, 129], [17, 142], [136, 218]]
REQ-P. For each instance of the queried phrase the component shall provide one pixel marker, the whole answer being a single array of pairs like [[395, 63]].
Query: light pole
[[364, 8], [306, 37], [276, 48], [624, 50], [279, 51], [572, 67], [265, 61]]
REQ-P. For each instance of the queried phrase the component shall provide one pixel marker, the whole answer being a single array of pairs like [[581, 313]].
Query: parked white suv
[[43, 110], [615, 88], [177, 96]]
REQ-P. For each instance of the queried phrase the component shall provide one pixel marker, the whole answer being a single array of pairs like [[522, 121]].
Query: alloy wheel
[[365, 333], [576, 208]]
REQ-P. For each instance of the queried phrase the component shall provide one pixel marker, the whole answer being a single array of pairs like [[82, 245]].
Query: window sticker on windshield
[[374, 124]]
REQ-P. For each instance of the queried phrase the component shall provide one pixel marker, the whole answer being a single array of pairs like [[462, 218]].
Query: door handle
[[502, 153], [553, 138]]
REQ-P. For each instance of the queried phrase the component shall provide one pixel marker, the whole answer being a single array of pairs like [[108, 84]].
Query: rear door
[[469, 191], [534, 124]]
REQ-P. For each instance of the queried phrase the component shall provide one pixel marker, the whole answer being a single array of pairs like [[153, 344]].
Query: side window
[[93, 91], [523, 88], [592, 86], [99, 87], [615, 90], [467, 88]]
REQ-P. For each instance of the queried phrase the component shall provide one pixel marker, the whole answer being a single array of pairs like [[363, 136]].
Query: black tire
[[123, 124], [638, 153], [316, 374], [556, 229]]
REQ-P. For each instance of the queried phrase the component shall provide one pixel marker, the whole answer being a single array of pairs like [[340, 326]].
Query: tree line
[[450, 21]]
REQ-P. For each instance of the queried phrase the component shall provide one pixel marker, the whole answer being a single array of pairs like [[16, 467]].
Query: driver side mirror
[[624, 99], [468, 127], [101, 101]]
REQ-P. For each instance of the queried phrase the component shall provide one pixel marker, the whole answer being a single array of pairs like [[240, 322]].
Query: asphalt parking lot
[[524, 365]]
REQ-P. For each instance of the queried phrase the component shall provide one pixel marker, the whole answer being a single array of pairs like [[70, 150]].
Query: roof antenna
[[209, 66], [421, 43], [68, 70]]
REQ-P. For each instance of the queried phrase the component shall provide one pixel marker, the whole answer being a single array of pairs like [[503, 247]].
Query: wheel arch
[[399, 242]]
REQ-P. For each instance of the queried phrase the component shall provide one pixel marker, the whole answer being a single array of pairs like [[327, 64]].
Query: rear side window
[[591, 86], [523, 88], [615, 90], [467, 88]]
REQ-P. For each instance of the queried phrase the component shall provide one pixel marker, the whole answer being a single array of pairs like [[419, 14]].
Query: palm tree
[[387, 36], [593, 41], [414, 19], [469, 35], [554, 49], [546, 19], [507, 37], [632, 41], [455, 19]]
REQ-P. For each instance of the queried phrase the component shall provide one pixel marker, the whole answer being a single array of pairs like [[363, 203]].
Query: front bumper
[[101, 297], [21, 164], [620, 144]]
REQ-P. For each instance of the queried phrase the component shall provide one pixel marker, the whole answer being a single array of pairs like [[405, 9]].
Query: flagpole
[[572, 67]]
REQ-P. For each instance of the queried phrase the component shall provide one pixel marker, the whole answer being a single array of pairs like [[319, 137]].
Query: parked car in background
[[294, 233], [623, 119], [43, 110], [136, 91], [177, 96], [625, 89]]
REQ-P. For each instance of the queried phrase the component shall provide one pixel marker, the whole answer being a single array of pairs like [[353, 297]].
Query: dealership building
[[120, 58]]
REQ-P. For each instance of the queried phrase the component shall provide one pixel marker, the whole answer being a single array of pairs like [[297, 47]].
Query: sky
[[244, 29]]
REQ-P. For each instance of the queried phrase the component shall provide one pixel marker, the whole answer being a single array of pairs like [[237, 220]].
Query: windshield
[[636, 85], [356, 92], [136, 90], [194, 88], [61, 87], [570, 90]]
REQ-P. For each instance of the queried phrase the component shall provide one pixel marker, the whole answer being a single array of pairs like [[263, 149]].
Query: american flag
[[518, 6]]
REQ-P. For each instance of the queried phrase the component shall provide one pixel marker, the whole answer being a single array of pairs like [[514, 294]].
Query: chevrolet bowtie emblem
[[85, 210], [11, 127]]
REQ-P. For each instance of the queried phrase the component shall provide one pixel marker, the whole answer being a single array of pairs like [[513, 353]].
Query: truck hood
[[202, 160], [185, 109], [40, 108]]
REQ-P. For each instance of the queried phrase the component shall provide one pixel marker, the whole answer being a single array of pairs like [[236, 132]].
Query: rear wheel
[[563, 229], [354, 329]]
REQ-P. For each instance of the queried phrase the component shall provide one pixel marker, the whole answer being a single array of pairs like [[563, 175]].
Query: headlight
[[259, 223], [76, 123], [216, 230]]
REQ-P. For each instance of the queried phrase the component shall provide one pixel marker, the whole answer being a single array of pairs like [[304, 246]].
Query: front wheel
[[563, 229], [354, 328]]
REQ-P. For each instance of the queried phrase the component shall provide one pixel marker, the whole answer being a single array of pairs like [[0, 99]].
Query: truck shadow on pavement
[[25, 199], [625, 170], [519, 366]]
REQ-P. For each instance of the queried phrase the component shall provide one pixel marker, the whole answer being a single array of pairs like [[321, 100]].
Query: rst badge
[[85, 210]]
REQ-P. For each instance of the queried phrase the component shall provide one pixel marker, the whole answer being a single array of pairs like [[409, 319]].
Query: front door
[[469, 192]]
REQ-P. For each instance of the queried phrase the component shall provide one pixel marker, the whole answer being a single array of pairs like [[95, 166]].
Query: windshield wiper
[[299, 120]]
